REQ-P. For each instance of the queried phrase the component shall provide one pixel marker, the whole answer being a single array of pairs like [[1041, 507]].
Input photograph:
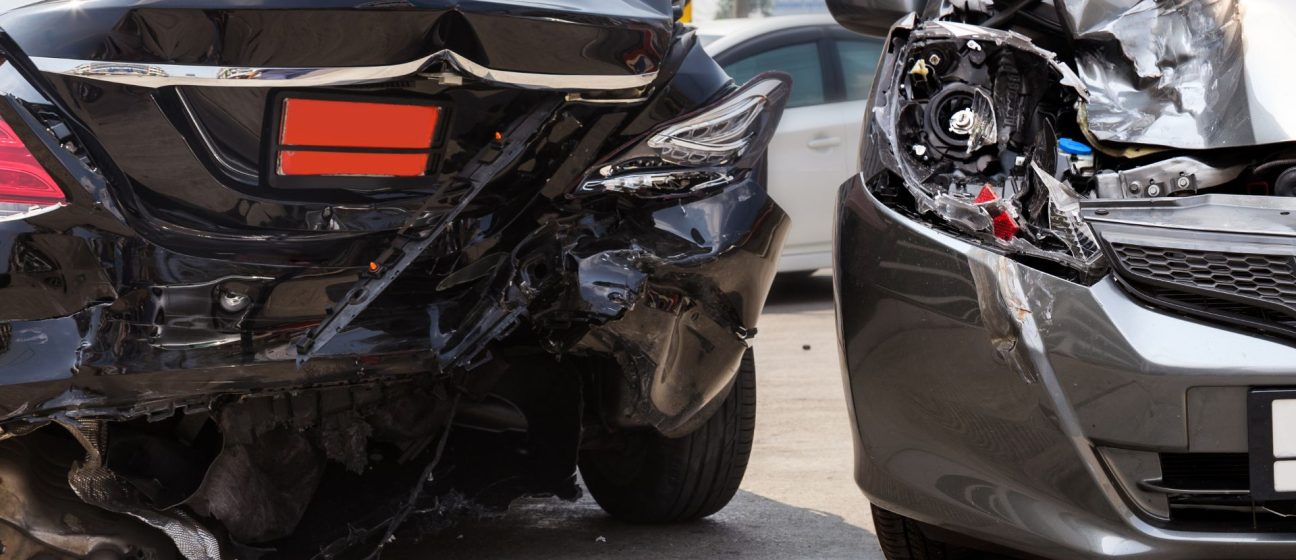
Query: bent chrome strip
[[165, 75]]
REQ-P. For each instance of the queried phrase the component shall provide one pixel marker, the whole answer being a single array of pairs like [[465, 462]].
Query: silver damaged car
[[1066, 278]]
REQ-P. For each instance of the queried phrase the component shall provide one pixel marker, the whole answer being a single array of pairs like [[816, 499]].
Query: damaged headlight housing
[[700, 151], [977, 123]]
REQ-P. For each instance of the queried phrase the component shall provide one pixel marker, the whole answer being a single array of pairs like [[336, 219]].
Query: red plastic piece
[[348, 124], [292, 162], [1005, 227], [356, 139]]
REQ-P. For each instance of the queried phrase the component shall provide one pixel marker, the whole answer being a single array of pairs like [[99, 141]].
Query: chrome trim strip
[[1155, 485], [166, 75]]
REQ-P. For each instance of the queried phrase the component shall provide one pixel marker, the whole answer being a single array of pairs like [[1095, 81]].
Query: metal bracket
[[420, 232]]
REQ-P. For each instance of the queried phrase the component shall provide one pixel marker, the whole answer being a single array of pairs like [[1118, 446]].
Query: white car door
[[817, 143], [807, 160], [857, 58]]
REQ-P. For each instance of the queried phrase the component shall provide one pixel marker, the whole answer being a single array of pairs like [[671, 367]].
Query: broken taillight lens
[[26, 188]]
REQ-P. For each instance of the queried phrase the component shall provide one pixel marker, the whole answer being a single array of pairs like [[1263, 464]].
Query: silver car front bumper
[[1020, 409]]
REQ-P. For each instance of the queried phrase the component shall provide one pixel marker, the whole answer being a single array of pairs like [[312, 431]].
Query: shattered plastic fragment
[[982, 128], [1005, 227], [967, 215], [1065, 218]]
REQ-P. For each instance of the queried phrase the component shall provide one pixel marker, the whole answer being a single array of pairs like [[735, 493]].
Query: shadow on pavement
[[751, 527], [810, 292]]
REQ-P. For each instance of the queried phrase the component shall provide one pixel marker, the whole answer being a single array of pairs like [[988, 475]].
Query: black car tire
[[652, 479], [902, 538]]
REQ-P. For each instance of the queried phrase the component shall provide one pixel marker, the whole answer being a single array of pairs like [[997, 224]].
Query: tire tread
[[689, 477], [902, 538]]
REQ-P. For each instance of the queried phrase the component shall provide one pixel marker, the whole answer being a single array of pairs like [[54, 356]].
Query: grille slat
[[1269, 278], [1254, 289], [1197, 504]]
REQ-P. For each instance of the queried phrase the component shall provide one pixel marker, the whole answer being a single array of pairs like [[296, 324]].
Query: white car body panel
[[814, 149]]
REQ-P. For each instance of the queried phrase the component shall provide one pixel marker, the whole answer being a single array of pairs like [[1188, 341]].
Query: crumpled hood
[[589, 37], [1197, 74], [15, 4]]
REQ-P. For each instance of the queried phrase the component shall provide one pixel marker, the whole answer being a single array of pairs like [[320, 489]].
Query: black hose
[[1007, 13], [1272, 164]]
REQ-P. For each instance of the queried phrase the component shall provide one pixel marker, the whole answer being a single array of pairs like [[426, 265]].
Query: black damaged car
[[283, 279]]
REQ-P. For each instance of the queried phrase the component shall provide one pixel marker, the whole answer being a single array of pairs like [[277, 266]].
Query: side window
[[801, 61], [859, 61]]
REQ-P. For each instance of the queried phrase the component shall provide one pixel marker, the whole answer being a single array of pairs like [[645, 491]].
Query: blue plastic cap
[[1073, 147]]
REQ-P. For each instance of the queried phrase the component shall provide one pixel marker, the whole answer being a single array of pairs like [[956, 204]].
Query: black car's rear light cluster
[[26, 188]]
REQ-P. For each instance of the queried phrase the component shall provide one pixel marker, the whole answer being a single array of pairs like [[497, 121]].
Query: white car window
[[800, 60], [859, 61]]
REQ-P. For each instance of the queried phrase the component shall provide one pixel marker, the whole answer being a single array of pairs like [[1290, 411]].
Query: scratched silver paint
[[998, 434]]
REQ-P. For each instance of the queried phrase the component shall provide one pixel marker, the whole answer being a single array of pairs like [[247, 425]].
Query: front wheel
[[654, 479], [902, 538]]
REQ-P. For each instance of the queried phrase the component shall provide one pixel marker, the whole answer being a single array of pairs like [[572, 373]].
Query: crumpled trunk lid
[[554, 37], [180, 96]]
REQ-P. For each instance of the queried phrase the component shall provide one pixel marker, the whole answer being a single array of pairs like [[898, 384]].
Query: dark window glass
[[800, 61]]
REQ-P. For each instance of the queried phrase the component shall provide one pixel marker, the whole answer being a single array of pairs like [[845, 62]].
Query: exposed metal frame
[[167, 75]]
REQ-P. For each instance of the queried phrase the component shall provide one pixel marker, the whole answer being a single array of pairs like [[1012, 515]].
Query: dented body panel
[[1081, 205], [305, 365], [1010, 434]]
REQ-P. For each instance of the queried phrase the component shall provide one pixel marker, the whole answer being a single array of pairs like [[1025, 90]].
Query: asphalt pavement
[[797, 501]]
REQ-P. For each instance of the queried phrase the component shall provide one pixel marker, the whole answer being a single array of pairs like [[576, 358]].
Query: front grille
[[1211, 492], [1255, 290], [1267, 278], [1206, 471]]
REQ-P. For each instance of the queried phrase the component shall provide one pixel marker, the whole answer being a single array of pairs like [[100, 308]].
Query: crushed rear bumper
[[668, 298]]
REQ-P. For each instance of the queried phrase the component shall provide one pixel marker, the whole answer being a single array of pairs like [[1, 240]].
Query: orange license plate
[[325, 138]]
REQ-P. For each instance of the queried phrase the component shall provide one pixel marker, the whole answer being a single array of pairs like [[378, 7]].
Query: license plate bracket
[[1271, 440]]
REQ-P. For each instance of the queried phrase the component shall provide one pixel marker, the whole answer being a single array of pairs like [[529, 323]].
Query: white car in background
[[818, 142]]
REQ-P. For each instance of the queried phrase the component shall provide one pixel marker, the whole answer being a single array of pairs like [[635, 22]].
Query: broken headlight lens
[[699, 151], [976, 123]]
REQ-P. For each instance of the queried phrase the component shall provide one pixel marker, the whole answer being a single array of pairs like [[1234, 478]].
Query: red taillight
[[348, 138], [25, 186]]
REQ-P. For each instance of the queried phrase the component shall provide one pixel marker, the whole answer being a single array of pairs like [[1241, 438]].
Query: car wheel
[[902, 538], [653, 479]]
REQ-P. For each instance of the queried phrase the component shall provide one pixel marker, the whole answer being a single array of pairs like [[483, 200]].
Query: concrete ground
[[797, 501]]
